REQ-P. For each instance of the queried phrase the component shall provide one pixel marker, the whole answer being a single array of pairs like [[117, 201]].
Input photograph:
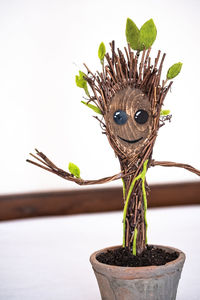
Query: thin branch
[[157, 59], [101, 122], [141, 67], [89, 70], [146, 60], [50, 167], [46, 159], [174, 164], [79, 181]]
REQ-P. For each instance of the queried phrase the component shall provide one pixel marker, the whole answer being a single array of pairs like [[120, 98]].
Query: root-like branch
[[174, 164]]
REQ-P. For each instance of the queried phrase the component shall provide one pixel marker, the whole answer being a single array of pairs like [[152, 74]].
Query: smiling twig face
[[129, 117], [129, 95]]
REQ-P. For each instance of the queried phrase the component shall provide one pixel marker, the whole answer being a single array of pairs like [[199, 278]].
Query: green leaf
[[81, 82], [132, 34], [148, 34], [143, 38], [101, 52], [174, 70], [93, 107], [165, 112], [74, 170]]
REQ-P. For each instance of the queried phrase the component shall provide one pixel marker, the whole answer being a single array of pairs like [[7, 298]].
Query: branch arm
[[48, 165], [174, 164]]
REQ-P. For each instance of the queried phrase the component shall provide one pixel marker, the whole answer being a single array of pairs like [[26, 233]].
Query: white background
[[43, 45]]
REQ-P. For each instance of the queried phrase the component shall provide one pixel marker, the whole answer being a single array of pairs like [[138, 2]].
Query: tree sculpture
[[129, 95]]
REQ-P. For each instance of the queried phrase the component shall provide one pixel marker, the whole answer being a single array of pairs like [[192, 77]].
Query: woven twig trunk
[[135, 216]]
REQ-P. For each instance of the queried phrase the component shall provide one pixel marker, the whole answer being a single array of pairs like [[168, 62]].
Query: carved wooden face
[[130, 119]]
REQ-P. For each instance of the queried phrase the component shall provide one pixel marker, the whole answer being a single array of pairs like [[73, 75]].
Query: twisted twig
[[174, 164], [49, 166]]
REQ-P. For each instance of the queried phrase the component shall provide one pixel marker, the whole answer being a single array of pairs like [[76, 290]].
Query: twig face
[[130, 96], [129, 119]]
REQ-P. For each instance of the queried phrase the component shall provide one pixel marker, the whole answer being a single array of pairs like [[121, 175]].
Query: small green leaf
[[165, 112], [148, 34], [101, 52], [93, 107], [74, 170], [81, 82], [174, 70], [132, 34]]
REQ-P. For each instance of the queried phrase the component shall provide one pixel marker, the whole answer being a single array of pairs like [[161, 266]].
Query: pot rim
[[137, 272]]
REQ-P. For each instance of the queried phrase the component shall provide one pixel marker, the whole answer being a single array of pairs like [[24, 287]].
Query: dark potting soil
[[124, 258]]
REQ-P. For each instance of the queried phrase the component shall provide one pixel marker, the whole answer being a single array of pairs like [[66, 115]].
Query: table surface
[[48, 258]]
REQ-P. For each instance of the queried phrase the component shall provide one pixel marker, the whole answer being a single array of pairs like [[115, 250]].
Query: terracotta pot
[[139, 283]]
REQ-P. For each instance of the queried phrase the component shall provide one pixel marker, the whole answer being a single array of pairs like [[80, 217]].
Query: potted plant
[[128, 94]]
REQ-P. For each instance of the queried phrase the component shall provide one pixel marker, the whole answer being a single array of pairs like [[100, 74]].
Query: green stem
[[140, 176], [134, 241], [126, 207], [144, 195], [145, 206]]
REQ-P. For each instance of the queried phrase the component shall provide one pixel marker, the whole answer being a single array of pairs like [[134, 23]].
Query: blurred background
[[43, 46]]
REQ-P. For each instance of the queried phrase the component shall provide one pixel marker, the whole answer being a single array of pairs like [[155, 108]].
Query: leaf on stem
[[148, 33], [81, 82], [93, 107], [174, 70], [74, 170], [132, 34], [101, 52]]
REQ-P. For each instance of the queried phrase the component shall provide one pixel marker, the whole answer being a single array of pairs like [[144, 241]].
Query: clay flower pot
[[138, 283]]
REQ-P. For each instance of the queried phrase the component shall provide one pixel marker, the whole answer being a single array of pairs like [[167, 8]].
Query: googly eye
[[141, 116], [120, 117]]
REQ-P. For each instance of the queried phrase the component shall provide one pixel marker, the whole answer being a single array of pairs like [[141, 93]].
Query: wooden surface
[[48, 258], [92, 200]]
